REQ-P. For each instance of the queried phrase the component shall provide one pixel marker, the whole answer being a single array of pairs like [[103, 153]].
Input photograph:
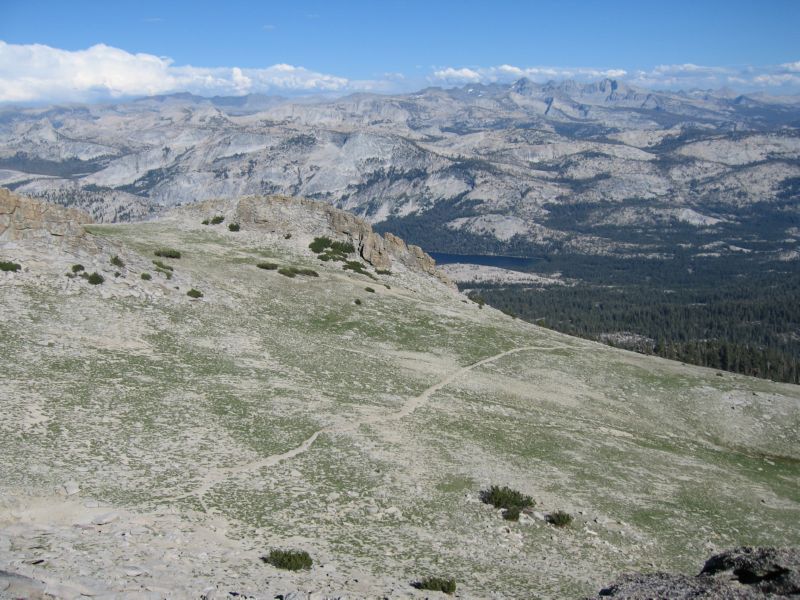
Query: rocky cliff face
[[24, 218]]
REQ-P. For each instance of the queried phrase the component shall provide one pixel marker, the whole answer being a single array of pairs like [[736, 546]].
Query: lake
[[516, 263]]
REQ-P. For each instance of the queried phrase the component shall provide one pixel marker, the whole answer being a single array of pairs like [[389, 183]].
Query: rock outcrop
[[24, 218], [742, 573], [278, 214]]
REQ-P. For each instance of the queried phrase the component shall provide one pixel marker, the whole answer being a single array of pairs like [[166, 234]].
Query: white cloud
[[508, 73], [782, 78], [34, 72], [457, 75]]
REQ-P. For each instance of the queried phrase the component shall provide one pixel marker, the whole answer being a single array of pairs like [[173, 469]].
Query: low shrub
[[437, 584], [559, 518], [287, 236], [168, 253], [147, 276], [205, 221], [357, 267], [383, 271], [331, 250], [217, 220], [506, 498], [77, 268], [233, 227], [320, 244], [117, 261], [267, 266], [193, 293], [117, 273], [9, 266], [161, 265], [357, 302], [294, 271], [369, 289], [291, 560], [95, 278], [512, 513]]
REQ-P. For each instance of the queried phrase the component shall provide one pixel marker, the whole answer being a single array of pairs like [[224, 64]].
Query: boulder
[[741, 573]]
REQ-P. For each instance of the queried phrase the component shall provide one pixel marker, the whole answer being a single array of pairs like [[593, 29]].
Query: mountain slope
[[188, 437], [480, 168]]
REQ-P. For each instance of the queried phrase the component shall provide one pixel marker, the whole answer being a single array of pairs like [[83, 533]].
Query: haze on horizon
[[93, 51]]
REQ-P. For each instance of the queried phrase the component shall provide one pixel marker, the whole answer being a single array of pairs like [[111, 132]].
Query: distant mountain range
[[526, 168]]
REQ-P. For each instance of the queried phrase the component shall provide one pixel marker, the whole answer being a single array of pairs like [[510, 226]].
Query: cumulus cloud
[[507, 73], [35, 72]]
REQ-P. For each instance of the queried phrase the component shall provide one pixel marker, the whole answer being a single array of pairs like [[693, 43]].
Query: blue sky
[[90, 50]]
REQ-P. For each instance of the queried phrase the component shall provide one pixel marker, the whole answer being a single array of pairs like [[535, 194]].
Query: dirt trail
[[215, 476]]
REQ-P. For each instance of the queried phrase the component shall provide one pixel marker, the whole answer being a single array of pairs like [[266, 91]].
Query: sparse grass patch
[[290, 560], [233, 227], [147, 276], [95, 278], [205, 221], [117, 261], [168, 253], [559, 518], [437, 584], [217, 220], [512, 513], [193, 293], [77, 268], [9, 266], [267, 266]]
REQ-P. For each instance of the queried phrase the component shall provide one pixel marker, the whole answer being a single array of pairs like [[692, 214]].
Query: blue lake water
[[516, 263]]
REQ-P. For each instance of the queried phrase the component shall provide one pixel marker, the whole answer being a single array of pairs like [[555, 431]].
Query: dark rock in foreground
[[739, 573]]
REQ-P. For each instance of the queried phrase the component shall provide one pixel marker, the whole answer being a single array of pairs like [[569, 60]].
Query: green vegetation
[[205, 221], [290, 560], [369, 289], [287, 236], [10, 266], [162, 266], [357, 267], [95, 278], [437, 584], [559, 518], [217, 220], [117, 261], [77, 268], [706, 315], [294, 271], [168, 253], [233, 226], [327, 249], [357, 301], [511, 501], [267, 266], [383, 271], [193, 293], [147, 276]]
